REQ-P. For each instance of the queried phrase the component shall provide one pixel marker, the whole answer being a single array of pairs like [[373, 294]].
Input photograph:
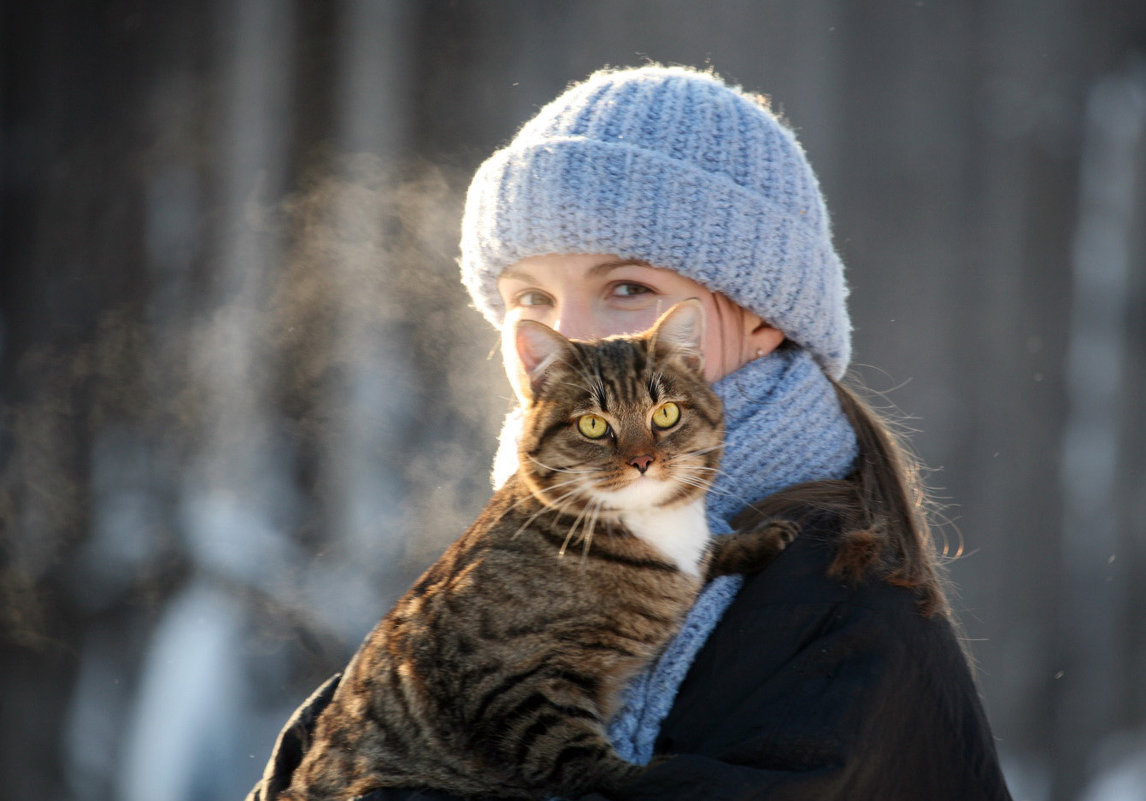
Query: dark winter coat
[[808, 689]]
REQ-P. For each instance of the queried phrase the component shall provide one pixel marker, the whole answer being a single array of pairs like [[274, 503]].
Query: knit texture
[[784, 426], [675, 168]]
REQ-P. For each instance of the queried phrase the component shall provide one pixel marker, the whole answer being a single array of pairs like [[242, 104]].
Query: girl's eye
[[629, 289], [532, 297], [592, 425], [666, 415]]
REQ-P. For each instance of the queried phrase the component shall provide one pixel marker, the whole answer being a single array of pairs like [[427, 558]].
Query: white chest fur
[[680, 533]]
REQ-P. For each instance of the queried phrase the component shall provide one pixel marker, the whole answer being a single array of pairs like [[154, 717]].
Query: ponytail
[[882, 507]]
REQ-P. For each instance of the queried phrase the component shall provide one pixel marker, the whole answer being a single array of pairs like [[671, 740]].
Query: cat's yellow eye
[[592, 425], [666, 415]]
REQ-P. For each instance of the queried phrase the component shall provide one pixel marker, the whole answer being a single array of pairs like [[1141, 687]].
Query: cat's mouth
[[635, 490]]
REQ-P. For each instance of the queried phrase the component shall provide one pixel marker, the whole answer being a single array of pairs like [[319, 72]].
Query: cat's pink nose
[[641, 462]]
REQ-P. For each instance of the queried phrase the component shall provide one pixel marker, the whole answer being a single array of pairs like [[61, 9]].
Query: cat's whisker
[[690, 472], [596, 516], [717, 474], [702, 451], [548, 503], [690, 464], [696, 452], [575, 483], [555, 505], [701, 485], [573, 529], [714, 490], [685, 461], [708, 476], [529, 521], [565, 545], [692, 478], [553, 469], [587, 536], [590, 372], [590, 388], [678, 465], [569, 537], [593, 390], [558, 506], [593, 511], [718, 471]]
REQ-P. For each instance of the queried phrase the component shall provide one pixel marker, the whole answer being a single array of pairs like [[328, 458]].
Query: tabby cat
[[496, 673]]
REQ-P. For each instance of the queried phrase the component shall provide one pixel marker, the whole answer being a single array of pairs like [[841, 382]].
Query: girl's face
[[586, 296]]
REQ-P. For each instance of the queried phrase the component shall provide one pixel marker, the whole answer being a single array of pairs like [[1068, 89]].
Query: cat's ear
[[539, 347], [679, 334]]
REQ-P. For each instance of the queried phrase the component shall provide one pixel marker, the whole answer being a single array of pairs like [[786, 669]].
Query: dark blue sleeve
[[808, 690], [292, 743], [813, 690]]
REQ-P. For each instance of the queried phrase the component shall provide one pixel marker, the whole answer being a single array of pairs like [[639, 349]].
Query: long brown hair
[[883, 508]]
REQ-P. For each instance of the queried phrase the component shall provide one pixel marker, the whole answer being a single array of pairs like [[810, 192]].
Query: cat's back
[[515, 616], [523, 572]]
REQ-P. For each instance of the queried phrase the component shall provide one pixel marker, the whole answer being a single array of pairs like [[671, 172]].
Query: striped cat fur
[[496, 673]]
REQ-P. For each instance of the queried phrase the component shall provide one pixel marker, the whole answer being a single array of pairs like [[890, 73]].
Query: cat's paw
[[605, 775], [783, 532], [752, 550]]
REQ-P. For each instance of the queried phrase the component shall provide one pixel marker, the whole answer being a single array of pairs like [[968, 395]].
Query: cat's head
[[622, 423]]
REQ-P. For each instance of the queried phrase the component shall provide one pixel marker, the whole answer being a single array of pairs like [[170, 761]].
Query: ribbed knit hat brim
[[618, 166]]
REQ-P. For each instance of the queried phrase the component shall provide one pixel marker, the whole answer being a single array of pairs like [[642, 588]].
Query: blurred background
[[244, 400]]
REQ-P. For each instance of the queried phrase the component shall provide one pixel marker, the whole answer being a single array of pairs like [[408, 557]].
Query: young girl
[[837, 672]]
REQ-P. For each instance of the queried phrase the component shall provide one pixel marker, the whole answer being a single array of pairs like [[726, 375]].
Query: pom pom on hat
[[673, 167]]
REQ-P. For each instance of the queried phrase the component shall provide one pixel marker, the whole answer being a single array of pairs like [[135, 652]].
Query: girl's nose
[[576, 322]]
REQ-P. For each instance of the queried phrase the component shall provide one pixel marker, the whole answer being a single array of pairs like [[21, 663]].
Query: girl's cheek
[[509, 358]]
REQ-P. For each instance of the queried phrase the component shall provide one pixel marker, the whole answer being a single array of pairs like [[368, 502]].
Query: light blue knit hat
[[674, 167]]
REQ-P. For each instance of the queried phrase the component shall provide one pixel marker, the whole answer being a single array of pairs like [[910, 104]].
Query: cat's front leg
[[587, 766], [750, 550]]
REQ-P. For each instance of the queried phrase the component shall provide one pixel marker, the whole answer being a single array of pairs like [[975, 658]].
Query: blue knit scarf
[[783, 426]]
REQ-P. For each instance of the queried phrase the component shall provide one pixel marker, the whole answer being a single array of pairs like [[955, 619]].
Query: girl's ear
[[539, 347], [761, 338], [679, 334]]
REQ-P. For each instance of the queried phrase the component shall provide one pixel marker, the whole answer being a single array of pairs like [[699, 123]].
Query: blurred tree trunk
[[949, 142]]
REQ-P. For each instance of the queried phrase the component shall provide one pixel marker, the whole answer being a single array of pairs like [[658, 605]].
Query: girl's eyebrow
[[613, 264], [596, 269], [515, 275]]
